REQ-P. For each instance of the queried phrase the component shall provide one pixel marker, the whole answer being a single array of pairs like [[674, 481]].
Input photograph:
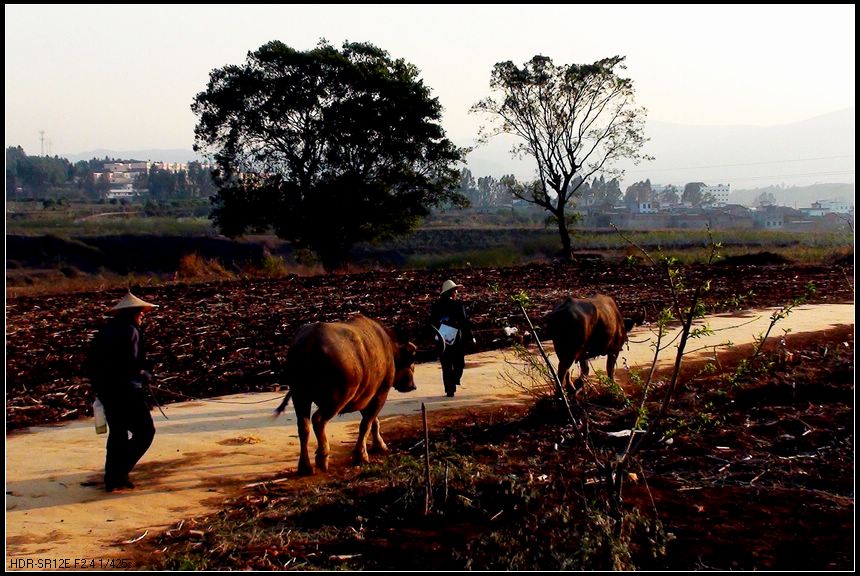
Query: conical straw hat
[[449, 285], [132, 301]]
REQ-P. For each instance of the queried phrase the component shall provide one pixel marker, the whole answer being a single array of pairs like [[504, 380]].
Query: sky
[[122, 77]]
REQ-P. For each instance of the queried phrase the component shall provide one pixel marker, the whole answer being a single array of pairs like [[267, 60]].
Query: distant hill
[[154, 155], [796, 196], [794, 157], [817, 150]]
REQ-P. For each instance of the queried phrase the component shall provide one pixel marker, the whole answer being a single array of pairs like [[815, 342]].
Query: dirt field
[[745, 446], [762, 479], [228, 337], [765, 482]]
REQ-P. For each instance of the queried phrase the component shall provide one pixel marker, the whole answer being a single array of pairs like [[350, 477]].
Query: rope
[[214, 401]]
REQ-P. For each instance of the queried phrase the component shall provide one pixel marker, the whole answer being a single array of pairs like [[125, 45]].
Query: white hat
[[132, 301], [449, 285]]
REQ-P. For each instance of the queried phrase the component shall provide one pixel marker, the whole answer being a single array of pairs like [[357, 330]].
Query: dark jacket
[[453, 313], [118, 357]]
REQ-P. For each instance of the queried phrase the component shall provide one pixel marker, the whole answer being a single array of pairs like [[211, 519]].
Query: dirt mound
[[756, 259], [844, 259], [125, 253]]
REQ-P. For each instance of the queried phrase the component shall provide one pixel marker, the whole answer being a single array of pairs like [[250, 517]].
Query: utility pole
[[42, 140]]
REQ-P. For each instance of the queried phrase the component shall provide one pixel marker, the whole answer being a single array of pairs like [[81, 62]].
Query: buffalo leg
[[378, 443], [564, 372], [610, 365], [320, 420], [303, 421], [584, 369], [360, 452], [368, 422]]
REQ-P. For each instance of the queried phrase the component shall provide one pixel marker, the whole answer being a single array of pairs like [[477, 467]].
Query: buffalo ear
[[638, 319], [406, 354]]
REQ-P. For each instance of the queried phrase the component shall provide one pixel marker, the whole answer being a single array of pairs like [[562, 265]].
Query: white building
[[720, 192], [121, 191], [649, 207], [833, 206]]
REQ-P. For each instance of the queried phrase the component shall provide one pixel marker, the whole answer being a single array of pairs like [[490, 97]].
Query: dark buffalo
[[583, 328], [344, 367]]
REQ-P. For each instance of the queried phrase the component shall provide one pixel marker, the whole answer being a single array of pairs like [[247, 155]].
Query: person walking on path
[[453, 331], [119, 370]]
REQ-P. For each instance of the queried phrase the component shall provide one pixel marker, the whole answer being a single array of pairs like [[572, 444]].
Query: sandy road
[[57, 510]]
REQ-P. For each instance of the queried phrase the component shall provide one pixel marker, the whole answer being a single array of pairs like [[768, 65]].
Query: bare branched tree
[[574, 120]]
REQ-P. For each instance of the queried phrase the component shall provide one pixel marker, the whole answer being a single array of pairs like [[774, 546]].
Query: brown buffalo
[[583, 328], [344, 367]]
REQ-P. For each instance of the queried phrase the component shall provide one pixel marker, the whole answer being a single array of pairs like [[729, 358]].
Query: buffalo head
[[636, 319], [404, 367]]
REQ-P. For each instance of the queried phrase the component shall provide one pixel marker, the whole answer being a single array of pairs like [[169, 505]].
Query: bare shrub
[[527, 373], [194, 266]]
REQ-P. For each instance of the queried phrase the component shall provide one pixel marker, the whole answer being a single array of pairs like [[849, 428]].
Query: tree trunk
[[565, 235], [333, 258]]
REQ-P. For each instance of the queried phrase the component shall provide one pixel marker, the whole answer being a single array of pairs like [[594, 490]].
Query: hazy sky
[[123, 77]]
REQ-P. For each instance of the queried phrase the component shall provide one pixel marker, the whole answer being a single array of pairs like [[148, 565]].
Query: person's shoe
[[450, 394], [124, 484]]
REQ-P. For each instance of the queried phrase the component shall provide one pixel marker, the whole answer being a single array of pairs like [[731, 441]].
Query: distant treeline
[[488, 192], [44, 177]]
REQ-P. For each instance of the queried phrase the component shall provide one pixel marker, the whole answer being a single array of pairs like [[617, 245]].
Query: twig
[[556, 381], [446, 483], [757, 477], [428, 495], [265, 482], [133, 540]]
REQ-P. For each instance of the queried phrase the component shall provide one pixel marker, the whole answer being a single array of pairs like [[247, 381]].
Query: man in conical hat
[[453, 331], [119, 370], [132, 302]]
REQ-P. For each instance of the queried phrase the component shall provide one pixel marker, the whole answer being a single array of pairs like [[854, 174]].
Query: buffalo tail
[[283, 405]]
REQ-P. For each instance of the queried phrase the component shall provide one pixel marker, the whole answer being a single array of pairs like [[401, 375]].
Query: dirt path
[[57, 510]]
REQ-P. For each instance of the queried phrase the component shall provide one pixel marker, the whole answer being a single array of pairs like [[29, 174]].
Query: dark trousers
[[453, 359], [128, 413]]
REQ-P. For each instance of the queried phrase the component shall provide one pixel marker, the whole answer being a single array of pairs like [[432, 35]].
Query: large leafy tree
[[326, 147], [638, 193], [35, 176], [693, 192], [574, 120], [605, 194], [668, 195]]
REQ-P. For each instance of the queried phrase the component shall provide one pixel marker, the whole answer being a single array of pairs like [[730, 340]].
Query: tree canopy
[[486, 191], [694, 195], [637, 193], [326, 147], [574, 120]]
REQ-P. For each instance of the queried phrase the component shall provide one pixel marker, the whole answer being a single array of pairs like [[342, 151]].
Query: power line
[[743, 164], [840, 173]]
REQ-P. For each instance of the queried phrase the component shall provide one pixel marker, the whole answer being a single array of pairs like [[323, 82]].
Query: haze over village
[[647, 204], [733, 139]]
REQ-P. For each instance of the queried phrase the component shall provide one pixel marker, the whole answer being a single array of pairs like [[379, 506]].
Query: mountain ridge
[[816, 150], [786, 159]]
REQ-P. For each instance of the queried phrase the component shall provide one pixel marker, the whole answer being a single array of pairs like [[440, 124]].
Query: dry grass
[[193, 266]]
